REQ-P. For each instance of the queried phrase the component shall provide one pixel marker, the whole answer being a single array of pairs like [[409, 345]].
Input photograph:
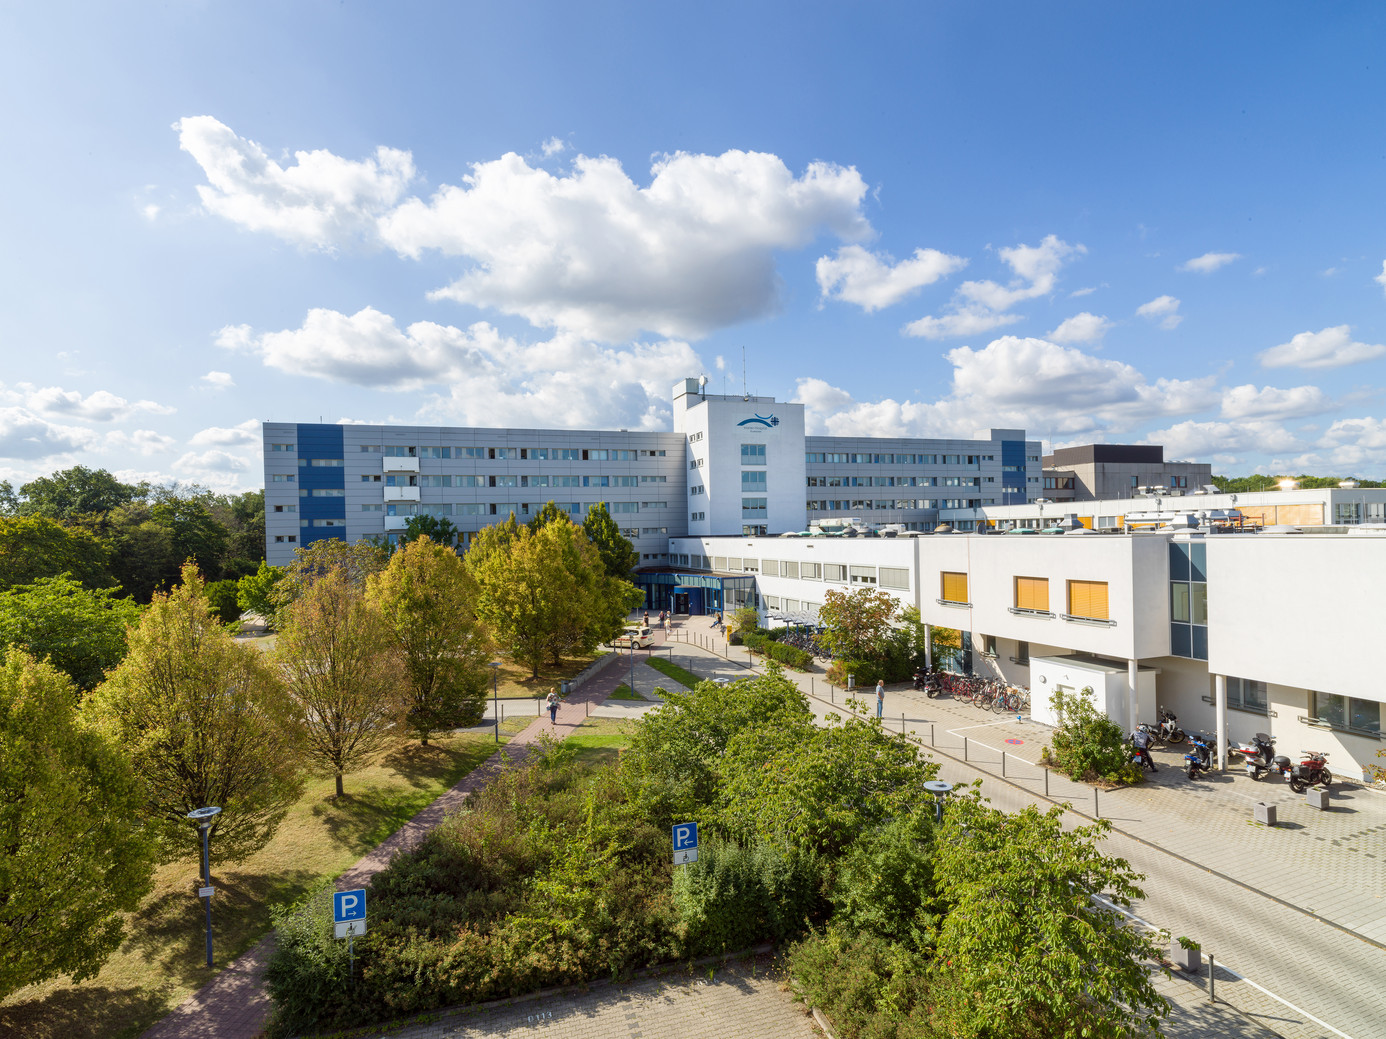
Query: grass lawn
[[162, 959], [669, 669], [600, 740], [624, 692], [515, 680]]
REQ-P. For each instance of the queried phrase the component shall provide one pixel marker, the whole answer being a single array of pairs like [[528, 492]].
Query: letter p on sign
[[685, 843], [348, 905]]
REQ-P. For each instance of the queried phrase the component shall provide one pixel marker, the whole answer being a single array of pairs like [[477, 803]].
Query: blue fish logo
[[768, 421]]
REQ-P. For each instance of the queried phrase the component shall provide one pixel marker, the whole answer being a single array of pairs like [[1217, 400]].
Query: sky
[[1132, 223]]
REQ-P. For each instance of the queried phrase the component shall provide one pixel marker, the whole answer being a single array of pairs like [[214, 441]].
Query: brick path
[[234, 1005]]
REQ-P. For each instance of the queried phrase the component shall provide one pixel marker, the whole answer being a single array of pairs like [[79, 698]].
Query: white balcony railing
[[400, 465], [397, 522], [401, 494]]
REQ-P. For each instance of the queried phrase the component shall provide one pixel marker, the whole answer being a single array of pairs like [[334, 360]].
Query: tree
[[143, 556], [1028, 952], [76, 492], [357, 560], [222, 598], [243, 516], [74, 855], [255, 593], [195, 531], [344, 673], [439, 531], [618, 554], [548, 514], [856, 625], [80, 631], [545, 593], [207, 721], [35, 546], [1088, 745], [426, 598]]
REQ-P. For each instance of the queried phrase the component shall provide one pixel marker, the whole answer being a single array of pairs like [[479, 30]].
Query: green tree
[[1028, 951], [32, 547], [255, 593], [195, 531], [439, 531], [143, 556], [357, 560], [9, 501], [856, 625], [548, 514], [885, 882], [76, 492], [1088, 745], [207, 721], [74, 855], [78, 630], [618, 554], [425, 596], [222, 596], [343, 671], [243, 516]]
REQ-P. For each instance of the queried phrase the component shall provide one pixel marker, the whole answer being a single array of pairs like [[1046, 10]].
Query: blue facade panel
[[1013, 483], [322, 442]]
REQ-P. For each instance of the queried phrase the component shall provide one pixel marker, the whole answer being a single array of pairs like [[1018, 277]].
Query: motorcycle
[[1200, 759], [1168, 732], [1259, 757], [1312, 771], [933, 685], [920, 680]]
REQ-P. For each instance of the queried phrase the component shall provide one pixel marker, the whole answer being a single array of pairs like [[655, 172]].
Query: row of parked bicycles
[[990, 693]]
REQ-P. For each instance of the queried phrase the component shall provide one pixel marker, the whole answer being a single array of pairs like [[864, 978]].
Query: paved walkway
[[1298, 909], [234, 1005]]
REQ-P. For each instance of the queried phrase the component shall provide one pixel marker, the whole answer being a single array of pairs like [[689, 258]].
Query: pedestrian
[[552, 702], [661, 618], [647, 618], [880, 697], [717, 621], [1140, 739]]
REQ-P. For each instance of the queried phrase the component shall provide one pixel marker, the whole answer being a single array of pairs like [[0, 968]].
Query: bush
[[736, 896], [308, 970], [869, 987], [1089, 746], [865, 671], [221, 595]]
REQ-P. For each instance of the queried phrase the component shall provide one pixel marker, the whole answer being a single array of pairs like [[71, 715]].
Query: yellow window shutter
[[1032, 593], [1088, 599], [954, 587]]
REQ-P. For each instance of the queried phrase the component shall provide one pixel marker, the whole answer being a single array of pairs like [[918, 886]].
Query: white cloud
[[243, 435], [321, 200], [1209, 262], [874, 280], [1076, 293], [141, 441], [1080, 328], [552, 147], [150, 211], [1247, 402], [26, 436], [1355, 442], [1201, 439], [980, 306], [218, 380], [1380, 279], [1330, 348], [101, 406], [492, 380], [1162, 309], [720, 363]]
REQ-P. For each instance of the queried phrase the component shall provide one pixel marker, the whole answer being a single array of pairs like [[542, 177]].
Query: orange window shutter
[[1032, 593], [1088, 599], [954, 587]]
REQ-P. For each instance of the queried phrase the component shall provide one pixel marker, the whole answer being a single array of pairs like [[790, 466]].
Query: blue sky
[[1122, 222]]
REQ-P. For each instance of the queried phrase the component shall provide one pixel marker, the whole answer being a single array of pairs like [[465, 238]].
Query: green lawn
[[162, 959], [600, 740], [679, 674], [624, 692]]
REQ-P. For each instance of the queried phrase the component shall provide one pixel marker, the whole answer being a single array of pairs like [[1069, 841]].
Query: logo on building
[[768, 421]]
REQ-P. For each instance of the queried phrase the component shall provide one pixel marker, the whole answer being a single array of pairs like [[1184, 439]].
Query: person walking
[[880, 697], [552, 703], [717, 621], [1140, 739]]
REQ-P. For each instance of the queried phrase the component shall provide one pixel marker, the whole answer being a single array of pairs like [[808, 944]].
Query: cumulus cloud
[[1380, 279], [492, 379], [140, 441], [552, 147], [245, 434], [979, 306], [199, 464], [874, 280], [1209, 262], [101, 406], [1080, 328], [1164, 310], [151, 212], [218, 380], [1330, 348], [25, 436], [1354, 442], [1200, 439], [321, 200], [1247, 402]]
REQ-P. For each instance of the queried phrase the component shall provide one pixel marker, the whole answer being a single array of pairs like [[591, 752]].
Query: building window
[[328, 492], [1022, 653], [752, 454], [753, 508], [863, 574], [1188, 600], [895, 577], [468, 452], [752, 480], [953, 587], [283, 447], [1088, 599], [435, 452], [811, 571], [1247, 694], [1032, 593], [283, 478], [372, 449], [1344, 712], [624, 506], [836, 572], [401, 451], [654, 504], [372, 508]]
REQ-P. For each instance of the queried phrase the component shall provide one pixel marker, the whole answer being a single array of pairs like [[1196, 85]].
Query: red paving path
[[234, 1005]]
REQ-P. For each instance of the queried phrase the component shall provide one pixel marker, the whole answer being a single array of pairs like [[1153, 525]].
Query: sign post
[[685, 843], [349, 919]]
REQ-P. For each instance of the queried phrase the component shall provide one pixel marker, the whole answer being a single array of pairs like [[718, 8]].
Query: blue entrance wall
[[320, 441]]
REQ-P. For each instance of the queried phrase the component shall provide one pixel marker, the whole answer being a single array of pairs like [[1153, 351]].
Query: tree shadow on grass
[[170, 930], [421, 765], [87, 1011]]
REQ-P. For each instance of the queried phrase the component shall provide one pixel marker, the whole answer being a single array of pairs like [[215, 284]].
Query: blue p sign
[[348, 905], [685, 836]]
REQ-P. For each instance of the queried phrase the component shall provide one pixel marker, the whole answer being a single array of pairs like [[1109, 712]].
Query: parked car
[[640, 638]]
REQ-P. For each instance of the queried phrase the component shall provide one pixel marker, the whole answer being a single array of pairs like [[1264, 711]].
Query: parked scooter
[[1312, 771], [1259, 757], [1200, 759], [933, 685], [921, 679]]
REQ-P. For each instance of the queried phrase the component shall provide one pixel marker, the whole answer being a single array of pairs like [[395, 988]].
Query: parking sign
[[348, 905], [685, 843]]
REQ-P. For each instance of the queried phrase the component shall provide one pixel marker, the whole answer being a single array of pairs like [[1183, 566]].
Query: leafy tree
[[255, 593], [545, 593], [439, 531], [195, 531], [1089, 745], [78, 630], [35, 546], [425, 596], [885, 882], [74, 855], [207, 721], [75, 492], [343, 672], [618, 554], [548, 514], [857, 625], [143, 556], [243, 516], [221, 596], [1028, 951], [357, 560], [9, 501]]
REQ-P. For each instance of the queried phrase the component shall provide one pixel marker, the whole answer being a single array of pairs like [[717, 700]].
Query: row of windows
[[541, 454], [1086, 599], [752, 454], [862, 504], [406, 508], [898, 481], [1059, 483], [752, 480], [827, 457], [835, 573]]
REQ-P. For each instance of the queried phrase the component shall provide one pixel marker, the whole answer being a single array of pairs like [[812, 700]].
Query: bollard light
[[203, 817], [940, 790]]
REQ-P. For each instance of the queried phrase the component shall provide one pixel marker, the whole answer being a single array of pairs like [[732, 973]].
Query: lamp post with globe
[[203, 817]]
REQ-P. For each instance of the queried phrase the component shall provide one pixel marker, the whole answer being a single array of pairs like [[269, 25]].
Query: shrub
[[870, 988], [221, 596], [1090, 746], [735, 896], [865, 671], [308, 971]]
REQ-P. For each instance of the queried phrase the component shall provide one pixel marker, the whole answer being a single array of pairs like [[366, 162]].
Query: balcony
[[401, 494], [400, 465], [397, 522]]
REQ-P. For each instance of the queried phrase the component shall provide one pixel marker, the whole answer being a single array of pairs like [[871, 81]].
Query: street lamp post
[[495, 695], [632, 664], [203, 817], [940, 790]]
